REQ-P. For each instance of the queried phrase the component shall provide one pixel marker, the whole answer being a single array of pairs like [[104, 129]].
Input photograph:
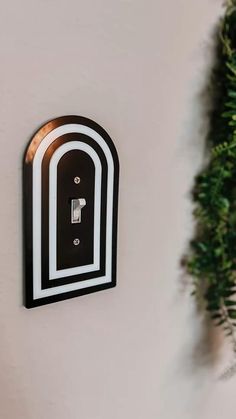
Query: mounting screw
[[77, 180], [76, 242]]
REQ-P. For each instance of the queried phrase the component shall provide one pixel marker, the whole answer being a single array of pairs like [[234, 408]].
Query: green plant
[[211, 258]]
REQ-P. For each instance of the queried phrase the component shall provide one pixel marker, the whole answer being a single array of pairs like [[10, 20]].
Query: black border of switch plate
[[29, 302]]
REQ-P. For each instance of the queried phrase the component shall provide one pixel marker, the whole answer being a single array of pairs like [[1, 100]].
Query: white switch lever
[[76, 207]]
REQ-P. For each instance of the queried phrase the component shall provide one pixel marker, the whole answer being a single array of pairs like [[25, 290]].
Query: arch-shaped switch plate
[[71, 172]]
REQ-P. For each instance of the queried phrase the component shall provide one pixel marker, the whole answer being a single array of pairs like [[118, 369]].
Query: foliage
[[211, 259]]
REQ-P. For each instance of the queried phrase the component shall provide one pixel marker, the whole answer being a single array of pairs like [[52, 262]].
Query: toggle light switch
[[76, 207]]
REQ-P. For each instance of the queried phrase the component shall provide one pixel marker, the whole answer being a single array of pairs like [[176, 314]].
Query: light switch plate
[[70, 178]]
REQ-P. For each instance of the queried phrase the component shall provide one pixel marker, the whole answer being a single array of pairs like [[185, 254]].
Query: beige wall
[[139, 351]]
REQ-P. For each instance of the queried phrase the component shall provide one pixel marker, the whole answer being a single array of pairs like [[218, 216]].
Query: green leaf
[[228, 293], [228, 114], [232, 93], [213, 306], [218, 251], [202, 246], [230, 303], [232, 314]]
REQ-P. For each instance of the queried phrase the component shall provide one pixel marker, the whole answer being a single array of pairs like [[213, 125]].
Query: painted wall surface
[[139, 351]]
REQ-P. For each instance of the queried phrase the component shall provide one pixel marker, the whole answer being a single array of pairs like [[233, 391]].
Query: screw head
[[77, 180], [76, 242]]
